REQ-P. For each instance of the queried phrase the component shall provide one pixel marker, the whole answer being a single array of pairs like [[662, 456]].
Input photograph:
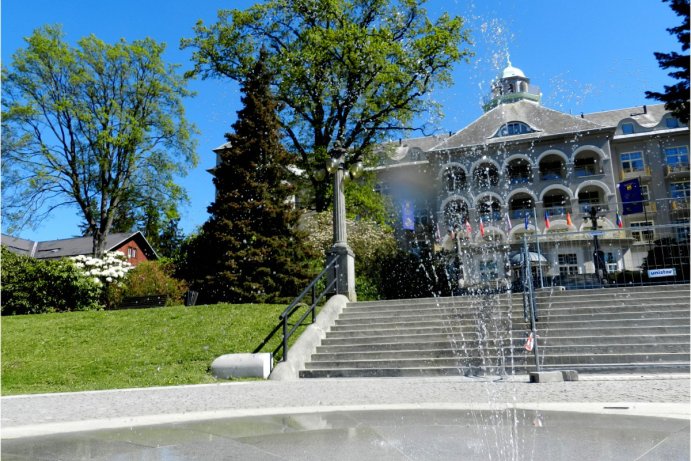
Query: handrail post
[[285, 338], [529, 308], [314, 301]]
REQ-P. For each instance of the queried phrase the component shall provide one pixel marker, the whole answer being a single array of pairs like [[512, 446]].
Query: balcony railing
[[643, 173], [677, 170], [551, 175], [587, 170]]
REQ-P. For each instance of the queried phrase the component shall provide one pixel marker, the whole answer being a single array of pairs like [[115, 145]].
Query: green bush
[[32, 286], [154, 278]]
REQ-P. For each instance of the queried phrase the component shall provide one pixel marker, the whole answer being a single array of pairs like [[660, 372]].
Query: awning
[[536, 259]]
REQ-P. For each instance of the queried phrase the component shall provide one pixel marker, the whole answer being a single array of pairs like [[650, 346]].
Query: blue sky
[[586, 56]]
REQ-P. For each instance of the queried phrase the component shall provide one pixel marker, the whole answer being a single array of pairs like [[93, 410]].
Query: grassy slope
[[129, 348]]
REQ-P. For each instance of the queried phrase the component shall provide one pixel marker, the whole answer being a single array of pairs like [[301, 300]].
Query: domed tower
[[512, 86]]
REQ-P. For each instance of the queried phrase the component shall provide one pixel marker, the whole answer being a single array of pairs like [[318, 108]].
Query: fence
[[640, 255]]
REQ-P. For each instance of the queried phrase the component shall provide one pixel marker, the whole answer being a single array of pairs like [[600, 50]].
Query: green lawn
[[79, 351]]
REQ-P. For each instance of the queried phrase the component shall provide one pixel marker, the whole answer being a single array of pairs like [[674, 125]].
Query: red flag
[[620, 224], [568, 219], [467, 226], [547, 219], [482, 228]]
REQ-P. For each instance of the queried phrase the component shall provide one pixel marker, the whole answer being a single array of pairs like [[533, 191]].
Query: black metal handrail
[[529, 306], [295, 305]]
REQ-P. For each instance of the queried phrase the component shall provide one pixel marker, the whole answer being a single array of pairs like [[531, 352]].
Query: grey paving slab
[[424, 434], [621, 416]]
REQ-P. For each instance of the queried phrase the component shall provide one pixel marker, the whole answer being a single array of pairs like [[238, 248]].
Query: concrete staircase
[[638, 329]]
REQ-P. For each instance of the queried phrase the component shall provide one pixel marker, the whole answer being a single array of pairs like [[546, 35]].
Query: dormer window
[[671, 122], [513, 128], [627, 128]]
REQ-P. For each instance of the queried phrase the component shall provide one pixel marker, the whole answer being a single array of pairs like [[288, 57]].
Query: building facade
[[522, 168]]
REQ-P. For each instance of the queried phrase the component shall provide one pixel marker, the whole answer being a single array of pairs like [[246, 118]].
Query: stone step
[[564, 337], [656, 319], [615, 328], [578, 341], [604, 302], [669, 367], [552, 359], [666, 291], [517, 349], [516, 313]]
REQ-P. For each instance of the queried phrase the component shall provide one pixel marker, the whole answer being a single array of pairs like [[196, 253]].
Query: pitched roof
[[647, 116], [545, 122], [71, 247]]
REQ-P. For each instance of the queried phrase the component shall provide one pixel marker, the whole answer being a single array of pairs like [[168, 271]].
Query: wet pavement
[[628, 417]]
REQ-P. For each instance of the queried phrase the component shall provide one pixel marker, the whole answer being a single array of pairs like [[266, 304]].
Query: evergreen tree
[[676, 97], [250, 249]]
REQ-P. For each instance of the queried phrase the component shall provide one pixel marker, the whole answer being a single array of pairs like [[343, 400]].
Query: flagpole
[[539, 253]]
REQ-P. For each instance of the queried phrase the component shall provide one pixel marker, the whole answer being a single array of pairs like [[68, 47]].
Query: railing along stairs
[[284, 319]]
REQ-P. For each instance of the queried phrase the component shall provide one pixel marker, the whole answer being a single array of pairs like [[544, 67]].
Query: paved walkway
[[50, 420]]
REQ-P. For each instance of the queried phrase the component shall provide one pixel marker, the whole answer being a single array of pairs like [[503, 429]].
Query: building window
[[677, 156], [682, 230], [488, 271], [131, 252], [568, 264], [632, 162], [680, 190], [671, 122], [627, 128], [646, 235], [513, 128], [645, 193], [611, 261]]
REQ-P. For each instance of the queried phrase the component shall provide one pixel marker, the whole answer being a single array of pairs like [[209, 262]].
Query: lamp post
[[340, 249], [600, 269]]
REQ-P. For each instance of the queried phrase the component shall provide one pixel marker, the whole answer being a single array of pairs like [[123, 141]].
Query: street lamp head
[[320, 174], [332, 164], [357, 169]]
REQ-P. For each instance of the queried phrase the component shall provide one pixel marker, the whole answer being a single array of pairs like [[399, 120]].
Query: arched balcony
[[587, 163], [485, 175], [590, 196], [520, 204], [552, 168], [489, 210], [519, 172], [456, 213], [556, 202], [454, 178]]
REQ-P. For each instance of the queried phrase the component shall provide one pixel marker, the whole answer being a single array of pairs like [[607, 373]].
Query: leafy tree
[[355, 70], [250, 249], [676, 97], [36, 286], [99, 127]]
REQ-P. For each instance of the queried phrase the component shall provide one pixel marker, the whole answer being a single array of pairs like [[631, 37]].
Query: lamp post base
[[346, 270]]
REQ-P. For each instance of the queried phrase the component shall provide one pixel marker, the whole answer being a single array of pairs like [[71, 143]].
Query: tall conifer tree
[[250, 249]]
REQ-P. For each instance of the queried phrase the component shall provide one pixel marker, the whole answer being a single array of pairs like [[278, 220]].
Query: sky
[[586, 56]]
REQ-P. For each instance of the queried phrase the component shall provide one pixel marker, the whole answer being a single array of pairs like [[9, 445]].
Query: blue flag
[[408, 215], [526, 220], [631, 196]]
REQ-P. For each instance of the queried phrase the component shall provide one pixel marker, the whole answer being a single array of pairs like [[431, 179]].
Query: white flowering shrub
[[111, 269]]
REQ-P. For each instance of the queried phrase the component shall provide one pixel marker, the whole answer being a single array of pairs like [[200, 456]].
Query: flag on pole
[[482, 228], [631, 196], [467, 226], [507, 218], [547, 219], [620, 224], [526, 220], [408, 215], [568, 219], [437, 234]]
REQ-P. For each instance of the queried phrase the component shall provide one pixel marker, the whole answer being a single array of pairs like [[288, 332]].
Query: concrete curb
[[308, 341]]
